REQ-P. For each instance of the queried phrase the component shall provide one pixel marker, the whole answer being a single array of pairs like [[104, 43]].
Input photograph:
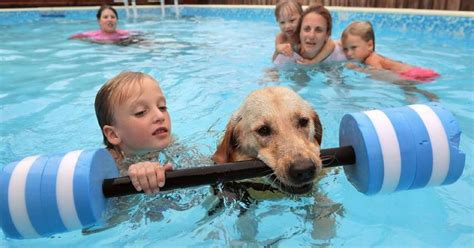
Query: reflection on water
[[136, 210], [340, 79], [206, 66]]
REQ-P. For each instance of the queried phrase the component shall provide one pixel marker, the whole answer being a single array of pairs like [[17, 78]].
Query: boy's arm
[[374, 61], [148, 176], [275, 54], [282, 46], [358, 68], [373, 64], [326, 50]]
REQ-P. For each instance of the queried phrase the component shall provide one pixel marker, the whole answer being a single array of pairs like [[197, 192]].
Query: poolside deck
[[456, 5]]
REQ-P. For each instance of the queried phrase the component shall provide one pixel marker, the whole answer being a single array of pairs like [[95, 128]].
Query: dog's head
[[277, 126]]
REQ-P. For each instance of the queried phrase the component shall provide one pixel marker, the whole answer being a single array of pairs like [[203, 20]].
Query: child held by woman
[[291, 42], [288, 14]]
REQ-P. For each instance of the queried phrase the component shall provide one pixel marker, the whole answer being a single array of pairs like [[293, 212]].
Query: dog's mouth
[[290, 189]]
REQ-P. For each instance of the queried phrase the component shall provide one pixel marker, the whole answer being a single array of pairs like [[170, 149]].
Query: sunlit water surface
[[206, 67]]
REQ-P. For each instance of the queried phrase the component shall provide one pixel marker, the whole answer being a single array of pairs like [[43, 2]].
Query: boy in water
[[136, 126], [358, 41]]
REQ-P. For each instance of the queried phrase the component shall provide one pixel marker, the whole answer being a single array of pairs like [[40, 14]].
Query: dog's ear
[[226, 147], [318, 129]]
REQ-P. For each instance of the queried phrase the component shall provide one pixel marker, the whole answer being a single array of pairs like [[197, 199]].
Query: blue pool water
[[207, 61]]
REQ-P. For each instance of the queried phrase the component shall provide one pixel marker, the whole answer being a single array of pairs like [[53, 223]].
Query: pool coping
[[469, 14]]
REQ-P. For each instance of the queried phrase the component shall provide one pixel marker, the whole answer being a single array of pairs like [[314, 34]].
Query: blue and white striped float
[[395, 149], [402, 148], [45, 195]]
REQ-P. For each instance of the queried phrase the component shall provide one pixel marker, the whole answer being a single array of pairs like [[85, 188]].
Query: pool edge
[[468, 14]]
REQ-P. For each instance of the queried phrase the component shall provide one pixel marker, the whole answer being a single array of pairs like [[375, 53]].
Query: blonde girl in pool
[[288, 14]]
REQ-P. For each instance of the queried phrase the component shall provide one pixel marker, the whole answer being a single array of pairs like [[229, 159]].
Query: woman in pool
[[108, 34], [315, 34], [315, 43]]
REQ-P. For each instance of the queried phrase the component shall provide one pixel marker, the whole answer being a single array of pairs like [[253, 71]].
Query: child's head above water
[[103, 8], [107, 18], [358, 40], [132, 114], [288, 14]]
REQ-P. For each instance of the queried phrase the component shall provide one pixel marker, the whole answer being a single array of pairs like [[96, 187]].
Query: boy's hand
[[356, 67], [351, 65], [303, 61], [148, 176], [285, 49]]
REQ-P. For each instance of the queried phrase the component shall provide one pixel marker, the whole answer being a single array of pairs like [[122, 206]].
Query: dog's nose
[[302, 171]]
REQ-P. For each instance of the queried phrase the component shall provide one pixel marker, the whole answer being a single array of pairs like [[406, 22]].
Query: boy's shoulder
[[374, 60]]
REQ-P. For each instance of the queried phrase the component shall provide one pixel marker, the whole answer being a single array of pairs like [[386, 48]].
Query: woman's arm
[[78, 36]]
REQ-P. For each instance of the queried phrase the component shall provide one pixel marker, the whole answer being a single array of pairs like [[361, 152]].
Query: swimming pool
[[207, 61]]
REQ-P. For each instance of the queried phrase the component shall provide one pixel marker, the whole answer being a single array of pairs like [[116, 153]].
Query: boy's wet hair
[[288, 6], [115, 92], [320, 10], [104, 7], [363, 29]]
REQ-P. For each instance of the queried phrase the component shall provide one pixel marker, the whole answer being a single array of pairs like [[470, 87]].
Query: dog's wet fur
[[277, 126]]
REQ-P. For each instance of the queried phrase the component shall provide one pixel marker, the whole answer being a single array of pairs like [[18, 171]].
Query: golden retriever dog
[[277, 126]]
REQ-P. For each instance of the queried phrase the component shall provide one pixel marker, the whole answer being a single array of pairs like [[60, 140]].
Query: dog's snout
[[302, 171]]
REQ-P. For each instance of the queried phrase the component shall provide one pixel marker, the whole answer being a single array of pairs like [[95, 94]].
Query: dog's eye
[[264, 130], [303, 122]]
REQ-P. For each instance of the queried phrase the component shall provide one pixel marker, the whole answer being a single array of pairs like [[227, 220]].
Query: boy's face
[[108, 21], [288, 21], [356, 49], [142, 123]]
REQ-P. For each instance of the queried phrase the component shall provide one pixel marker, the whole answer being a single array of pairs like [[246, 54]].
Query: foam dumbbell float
[[384, 151], [402, 148]]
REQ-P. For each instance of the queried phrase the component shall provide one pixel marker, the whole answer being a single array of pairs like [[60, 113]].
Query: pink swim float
[[419, 74], [103, 37]]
